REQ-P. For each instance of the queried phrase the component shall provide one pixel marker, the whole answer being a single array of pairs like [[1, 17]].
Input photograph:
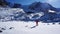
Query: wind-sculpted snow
[[9, 14]]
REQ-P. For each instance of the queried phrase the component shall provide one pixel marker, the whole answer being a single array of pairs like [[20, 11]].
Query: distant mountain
[[38, 7], [43, 7], [35, 11]]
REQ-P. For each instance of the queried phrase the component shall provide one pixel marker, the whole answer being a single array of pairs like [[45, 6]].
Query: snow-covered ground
[[20, 27]]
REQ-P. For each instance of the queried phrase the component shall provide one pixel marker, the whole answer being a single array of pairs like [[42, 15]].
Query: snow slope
[[20, 27]]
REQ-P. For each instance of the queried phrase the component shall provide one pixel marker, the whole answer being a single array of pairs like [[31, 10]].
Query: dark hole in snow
[[1, 31], [53, 23], [11, 27], [3, 28]]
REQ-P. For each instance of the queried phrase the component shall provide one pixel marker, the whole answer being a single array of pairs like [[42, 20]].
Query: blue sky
[[55, 3]]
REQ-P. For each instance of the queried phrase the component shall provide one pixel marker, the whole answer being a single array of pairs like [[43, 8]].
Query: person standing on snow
[[36, 22]]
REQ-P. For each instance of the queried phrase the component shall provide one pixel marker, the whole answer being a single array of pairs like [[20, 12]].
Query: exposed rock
[[3, 3]]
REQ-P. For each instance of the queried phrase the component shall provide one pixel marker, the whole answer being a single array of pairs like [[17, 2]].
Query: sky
[[55, 3]]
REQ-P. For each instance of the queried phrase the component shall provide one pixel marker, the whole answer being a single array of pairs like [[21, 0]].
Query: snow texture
[[20, 27]]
